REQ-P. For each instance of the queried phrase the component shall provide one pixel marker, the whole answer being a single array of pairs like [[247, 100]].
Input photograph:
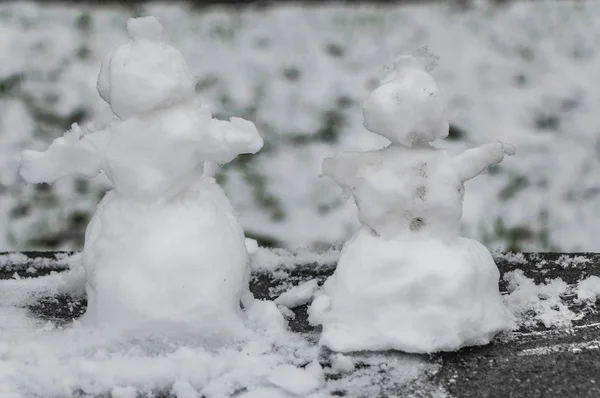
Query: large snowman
[[164, 249], [407, 280]]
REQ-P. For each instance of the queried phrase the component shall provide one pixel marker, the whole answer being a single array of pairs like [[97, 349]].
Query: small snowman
[[164, 250], [407, 280]]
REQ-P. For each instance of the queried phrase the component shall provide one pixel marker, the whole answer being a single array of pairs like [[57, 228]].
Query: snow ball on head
[[144, 74], [408, 107]]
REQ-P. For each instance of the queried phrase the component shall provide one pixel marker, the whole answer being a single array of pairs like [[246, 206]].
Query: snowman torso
[[407, 193], [164, 247], [155, 155]]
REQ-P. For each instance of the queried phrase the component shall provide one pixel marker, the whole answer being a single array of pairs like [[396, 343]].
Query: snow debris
[[298, 381], [567, 261], [298, 295], [342, 363], [589, 289], [533, 303], [286, 312], [273, 259], [510, 257]]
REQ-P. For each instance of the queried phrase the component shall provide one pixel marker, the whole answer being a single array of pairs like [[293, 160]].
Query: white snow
[[164, 252], [298, 381], [298, 295], [589, 289], [572, 261], [342, 363], [533, 303], [510, 257], [266, 259], [406, 280]]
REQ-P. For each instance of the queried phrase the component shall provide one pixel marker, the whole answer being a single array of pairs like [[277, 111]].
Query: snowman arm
[[344, 167], [227, 139], [75, 153], [473, 162]]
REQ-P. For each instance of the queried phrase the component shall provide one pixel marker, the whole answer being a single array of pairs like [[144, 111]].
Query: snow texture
[[164, 251], [589, 289], [406, 280], [298, 295], [342, 363], [533, 303]]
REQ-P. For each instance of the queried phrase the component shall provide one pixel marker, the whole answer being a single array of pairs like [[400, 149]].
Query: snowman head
[[408, 107], [144, 74]]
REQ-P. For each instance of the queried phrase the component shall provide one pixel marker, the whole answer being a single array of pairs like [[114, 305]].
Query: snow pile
[[164, 251], [589, 289], [533, 303], [406, 280]]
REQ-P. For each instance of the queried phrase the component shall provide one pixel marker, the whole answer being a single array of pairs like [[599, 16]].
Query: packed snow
[[164, 249], [407, 280]]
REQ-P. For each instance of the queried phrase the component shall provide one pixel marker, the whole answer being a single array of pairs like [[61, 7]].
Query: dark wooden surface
[[531, 362]]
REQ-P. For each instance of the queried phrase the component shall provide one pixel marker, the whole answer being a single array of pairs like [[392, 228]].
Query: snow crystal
[[589, 289]]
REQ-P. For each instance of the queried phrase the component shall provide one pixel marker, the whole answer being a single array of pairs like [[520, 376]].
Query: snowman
[[407, 280], [164, 251]]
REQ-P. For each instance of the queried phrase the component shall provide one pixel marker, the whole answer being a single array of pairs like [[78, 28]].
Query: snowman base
[[166, 267], [416, 296]]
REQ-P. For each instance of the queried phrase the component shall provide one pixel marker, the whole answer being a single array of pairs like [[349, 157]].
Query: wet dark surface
[[531, 362]]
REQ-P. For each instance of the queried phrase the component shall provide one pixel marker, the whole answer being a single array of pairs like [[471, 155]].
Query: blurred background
[[522, 72]]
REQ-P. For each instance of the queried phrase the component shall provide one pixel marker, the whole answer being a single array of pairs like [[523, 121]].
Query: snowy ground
[[43, 353], [524, 73]]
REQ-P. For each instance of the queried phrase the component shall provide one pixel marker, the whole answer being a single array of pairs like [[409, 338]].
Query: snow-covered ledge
[[554, 353]]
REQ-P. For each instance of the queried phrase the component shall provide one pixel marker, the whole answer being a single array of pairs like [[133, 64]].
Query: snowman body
[[164, 249], [407, 280], [403, 193], [164, 252]]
